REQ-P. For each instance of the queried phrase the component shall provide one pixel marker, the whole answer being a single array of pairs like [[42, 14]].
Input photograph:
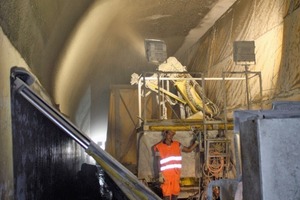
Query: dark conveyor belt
[[128, 182]]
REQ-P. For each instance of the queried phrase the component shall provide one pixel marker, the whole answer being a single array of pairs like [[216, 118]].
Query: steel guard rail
[[125, 179]]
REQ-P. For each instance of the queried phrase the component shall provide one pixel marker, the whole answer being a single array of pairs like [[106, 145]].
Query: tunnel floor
[[93, 183]]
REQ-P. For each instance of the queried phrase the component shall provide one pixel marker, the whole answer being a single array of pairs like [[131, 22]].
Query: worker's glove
[[197, 138], [161, 178]]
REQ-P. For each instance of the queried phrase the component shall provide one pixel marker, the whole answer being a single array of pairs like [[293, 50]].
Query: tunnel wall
[[8, 57], [45, 159], [274, 27]]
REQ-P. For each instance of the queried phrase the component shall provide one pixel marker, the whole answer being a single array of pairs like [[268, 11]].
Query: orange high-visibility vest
[[170, 158]]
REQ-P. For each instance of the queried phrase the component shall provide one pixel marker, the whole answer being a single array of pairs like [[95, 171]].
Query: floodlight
[[243, 52], [156, 51]]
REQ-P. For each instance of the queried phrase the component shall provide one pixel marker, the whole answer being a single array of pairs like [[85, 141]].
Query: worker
[[169, 159]]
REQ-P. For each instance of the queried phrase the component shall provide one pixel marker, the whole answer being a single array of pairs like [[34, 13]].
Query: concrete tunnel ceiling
[[107, 45]]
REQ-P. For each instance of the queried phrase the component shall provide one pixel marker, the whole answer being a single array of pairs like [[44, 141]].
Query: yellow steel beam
[[155, 88]]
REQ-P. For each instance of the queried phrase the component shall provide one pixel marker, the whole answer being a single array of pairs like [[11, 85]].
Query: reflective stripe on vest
[[172, 162], [170, 159], [172, 166]]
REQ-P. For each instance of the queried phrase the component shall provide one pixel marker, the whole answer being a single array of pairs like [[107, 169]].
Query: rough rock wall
[[39, 29], [8, 58], [274, 26]]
